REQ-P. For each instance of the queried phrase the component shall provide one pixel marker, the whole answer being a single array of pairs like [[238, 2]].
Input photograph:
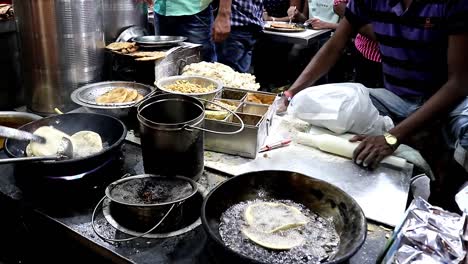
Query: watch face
[[391, 140]]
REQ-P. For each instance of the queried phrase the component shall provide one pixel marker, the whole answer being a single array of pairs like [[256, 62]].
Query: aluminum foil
[[428, 234]]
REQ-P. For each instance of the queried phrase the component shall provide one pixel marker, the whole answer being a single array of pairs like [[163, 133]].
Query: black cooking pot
[[319, 196], [111, 130]]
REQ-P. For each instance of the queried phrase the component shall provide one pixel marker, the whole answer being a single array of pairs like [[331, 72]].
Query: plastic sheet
[[340, 107]]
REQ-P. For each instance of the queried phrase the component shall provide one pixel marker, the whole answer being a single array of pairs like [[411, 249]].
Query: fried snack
[[184, 86], [283, 25], [119, 46], [214, 107], [131, 95], [139, 98], [119, 95], [148, 53], [251, 98]]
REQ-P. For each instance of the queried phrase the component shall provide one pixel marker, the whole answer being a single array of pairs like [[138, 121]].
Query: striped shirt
[[367, 47], [413, 42], [247, 13]]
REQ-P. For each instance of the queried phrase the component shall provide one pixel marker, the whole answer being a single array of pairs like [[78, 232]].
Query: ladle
[[64, 151]]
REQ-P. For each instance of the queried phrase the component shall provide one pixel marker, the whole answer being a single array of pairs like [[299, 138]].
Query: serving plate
[[158, 41]]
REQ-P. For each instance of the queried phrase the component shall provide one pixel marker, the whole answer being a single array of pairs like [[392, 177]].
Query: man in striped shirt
[[246, 22], [425, 64]]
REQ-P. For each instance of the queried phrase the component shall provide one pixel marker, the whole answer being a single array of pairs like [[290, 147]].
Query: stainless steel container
[[170, 144], [122, 14], [61, 48], [257, 118]]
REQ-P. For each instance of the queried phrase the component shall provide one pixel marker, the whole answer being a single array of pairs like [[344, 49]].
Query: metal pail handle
[[93, 217], [190, 128]]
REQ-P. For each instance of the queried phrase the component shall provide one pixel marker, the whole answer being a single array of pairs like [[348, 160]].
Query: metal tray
[[158, 41], [257, 119]]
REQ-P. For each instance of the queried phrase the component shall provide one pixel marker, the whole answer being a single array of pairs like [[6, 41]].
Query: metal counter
[[305, 38], [382, 193]]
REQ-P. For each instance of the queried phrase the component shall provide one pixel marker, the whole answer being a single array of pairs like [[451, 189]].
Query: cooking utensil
[[30, 159], [20, 135], [174, 137], [86, 97], [202, 81], [111, 130], [65, 147], [15, 119], [144, 214], [319, 196], [280, 144], [158, 41]]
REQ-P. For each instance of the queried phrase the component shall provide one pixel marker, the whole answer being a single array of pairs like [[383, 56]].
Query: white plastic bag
[[341, 108]]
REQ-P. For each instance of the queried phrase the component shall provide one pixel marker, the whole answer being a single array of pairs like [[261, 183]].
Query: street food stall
[[171, 159]]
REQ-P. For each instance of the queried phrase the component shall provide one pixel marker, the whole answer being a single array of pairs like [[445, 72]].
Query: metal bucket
[[146, 202], [172, 135]]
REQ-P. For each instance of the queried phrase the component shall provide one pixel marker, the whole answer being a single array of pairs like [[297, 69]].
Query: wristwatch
[[391, 140], [288, 95]]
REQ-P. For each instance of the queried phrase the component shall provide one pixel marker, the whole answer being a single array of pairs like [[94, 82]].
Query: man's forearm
[[225, 8], [446, 98], [440, 103], [325, 58]]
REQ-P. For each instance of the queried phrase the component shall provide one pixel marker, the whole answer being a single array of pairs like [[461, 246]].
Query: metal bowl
[[203, 81], [86, 96]]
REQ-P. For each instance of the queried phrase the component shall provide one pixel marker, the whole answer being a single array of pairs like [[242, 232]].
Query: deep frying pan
[[319, 196], [111, 130]]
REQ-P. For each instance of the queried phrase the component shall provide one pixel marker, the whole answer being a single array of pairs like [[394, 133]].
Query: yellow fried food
[[253, 99], [184, 86], [119, 95], [278, 241], [116, 46], [139, 98], [272, 217], [274, 225], [131, 95]]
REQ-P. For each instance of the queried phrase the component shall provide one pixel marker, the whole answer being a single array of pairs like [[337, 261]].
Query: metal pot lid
[[156, 41], [151, 190]]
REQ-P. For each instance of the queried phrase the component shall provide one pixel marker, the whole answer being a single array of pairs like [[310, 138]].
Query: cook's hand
[[266, 17], [292, 12], [221, 28], [317, 23], [371, 151]]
